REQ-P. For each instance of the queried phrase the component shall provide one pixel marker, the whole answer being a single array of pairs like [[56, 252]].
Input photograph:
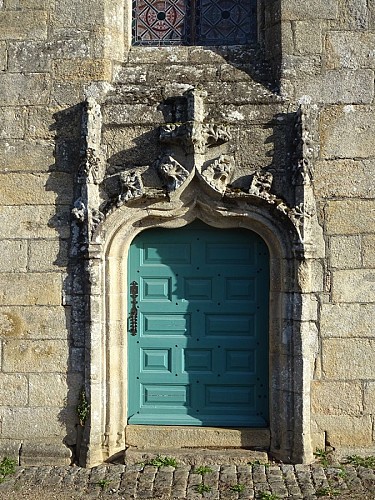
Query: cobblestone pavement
[[273, 482]]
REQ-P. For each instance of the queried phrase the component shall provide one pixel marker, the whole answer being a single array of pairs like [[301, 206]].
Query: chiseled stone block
[[355, 285], [34, 322], [21, 155], [348, 359], [18, 89], [319, 9], [338, 87], [52, 452], [43, 221], [36, 56], [339, 122], [345, 252], [347, 320], [336, 398], [369, 397], [41, 123], [23, 25], [23, 356], [35, 188], [29, 423], [13, 390], [350, 49], [350, 217], [82, 70], [344, 179], [55, 389], [344, 430], [14, 255], [368, 248], [30, 289], [47, 255], [308, 37], [12, 123], [132, 114]]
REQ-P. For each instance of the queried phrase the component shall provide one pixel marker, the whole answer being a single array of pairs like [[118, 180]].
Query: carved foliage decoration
[[92, 166], [306, 141], [195, 137], [131, 186], [172, 173], [218, 173], [79, 210], [261, 185]]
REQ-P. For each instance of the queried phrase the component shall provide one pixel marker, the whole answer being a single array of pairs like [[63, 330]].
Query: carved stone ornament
[[261, 185], [214, 135], [92, 168], [79, 210], [195, 136], [175, 133], [218, 173], [131, 186], [306, 141], [172, 173], [96, 218]]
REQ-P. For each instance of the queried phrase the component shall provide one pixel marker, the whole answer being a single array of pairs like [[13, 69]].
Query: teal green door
[[198, 352]]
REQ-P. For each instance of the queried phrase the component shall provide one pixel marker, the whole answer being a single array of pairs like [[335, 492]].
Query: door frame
[[291, 351]]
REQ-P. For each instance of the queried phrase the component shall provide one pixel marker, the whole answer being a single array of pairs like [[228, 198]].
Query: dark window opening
[[194, 22]]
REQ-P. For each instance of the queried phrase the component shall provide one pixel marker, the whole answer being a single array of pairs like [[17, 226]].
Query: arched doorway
[[198, 347]]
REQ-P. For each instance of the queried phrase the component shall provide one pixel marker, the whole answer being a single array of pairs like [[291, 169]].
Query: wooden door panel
[[200, 356]]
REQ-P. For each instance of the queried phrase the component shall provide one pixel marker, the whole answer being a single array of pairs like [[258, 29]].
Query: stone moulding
[[102, 241]]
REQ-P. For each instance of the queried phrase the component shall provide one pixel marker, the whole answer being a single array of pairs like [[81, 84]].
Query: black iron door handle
[[133, 310]]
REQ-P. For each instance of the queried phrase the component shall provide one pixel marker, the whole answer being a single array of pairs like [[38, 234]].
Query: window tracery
[[194, 22]]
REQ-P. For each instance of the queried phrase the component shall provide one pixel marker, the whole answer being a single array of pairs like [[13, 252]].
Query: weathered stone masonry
[[100, 140]]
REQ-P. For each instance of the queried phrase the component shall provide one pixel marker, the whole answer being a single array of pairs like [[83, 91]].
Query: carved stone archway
[[105, 228]]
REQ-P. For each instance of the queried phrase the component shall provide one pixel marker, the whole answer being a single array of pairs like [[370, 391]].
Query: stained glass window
[[194, 22]]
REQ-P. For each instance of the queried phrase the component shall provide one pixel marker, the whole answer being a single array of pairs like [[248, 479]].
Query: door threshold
[[174, 437], [197, 456]]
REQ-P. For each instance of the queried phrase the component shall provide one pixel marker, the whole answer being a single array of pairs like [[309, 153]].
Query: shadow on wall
[[67, 128]]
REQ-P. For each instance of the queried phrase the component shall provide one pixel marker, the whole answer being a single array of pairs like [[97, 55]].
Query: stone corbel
[[172, 173]]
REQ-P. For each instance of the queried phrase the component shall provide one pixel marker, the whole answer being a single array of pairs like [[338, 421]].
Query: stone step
[[197, 456]]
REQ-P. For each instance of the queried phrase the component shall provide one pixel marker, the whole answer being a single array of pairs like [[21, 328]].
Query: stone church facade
[[104, 137]]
